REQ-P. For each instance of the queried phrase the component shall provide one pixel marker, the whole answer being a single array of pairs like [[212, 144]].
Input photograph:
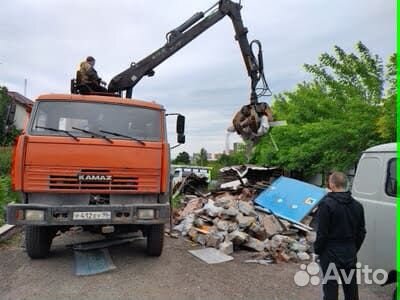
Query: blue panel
[[290, 199]]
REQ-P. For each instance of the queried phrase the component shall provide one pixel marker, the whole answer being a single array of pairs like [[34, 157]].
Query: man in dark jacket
[[340, 234]]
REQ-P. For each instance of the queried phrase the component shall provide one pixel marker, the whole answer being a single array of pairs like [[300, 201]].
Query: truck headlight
[[34, 215], [145, 213]]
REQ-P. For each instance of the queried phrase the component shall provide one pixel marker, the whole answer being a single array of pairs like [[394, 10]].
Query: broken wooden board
[[7, 231]]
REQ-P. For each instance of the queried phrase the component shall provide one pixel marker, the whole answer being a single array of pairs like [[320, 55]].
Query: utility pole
[[25, 86]]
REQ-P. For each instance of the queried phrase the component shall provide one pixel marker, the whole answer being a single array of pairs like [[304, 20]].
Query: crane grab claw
[[252, 121]]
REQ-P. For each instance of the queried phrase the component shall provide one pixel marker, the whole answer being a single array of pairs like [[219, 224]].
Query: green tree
[[7, 135], [236, 158], [387, 120], [203, 158], [182, 158], [7, 132], [225, 160], [332, 117], [4, 104]]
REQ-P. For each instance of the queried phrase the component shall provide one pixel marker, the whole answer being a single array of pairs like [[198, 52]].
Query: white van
[[180, 172], [375, 187]]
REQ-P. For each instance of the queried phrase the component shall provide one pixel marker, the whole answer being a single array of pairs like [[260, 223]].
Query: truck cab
[[375, 187], [100, 162]]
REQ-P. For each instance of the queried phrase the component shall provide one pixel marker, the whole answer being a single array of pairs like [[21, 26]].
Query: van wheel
[[38, 241], [155, 239]]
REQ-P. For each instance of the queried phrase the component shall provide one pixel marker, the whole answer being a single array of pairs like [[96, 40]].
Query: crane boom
[[184, 34]]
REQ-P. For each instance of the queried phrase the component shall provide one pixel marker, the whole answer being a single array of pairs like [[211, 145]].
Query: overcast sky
[[45, 40]]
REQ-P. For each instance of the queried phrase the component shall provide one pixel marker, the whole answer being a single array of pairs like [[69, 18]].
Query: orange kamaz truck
[[102, 160]]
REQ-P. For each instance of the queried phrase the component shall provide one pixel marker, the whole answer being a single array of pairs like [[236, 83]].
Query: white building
[[21, 107]]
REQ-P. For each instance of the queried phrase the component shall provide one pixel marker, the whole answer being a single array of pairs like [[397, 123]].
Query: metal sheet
[[290, 199], [93, 262]]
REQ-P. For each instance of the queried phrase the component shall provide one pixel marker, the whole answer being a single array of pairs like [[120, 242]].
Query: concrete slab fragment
[[211, 255]]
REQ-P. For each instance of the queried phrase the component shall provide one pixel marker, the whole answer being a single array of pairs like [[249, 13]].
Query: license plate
[[92, 215]]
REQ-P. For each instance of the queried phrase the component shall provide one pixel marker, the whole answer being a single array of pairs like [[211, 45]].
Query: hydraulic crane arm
[[184, 34]]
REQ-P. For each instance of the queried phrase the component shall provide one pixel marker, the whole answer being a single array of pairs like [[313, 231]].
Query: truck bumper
[[80, 215]]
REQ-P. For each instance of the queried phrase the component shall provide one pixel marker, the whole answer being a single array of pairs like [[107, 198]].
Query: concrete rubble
[[227, 219]]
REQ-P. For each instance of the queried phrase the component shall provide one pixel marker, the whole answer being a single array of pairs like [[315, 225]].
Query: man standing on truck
[[340, 234], [89, 77]]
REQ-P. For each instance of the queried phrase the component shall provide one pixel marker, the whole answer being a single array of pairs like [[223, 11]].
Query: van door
[[385, 227], [373, 187]]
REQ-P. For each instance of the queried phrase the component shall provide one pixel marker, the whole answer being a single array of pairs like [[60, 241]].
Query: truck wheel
[[155, 240], [38, 241]]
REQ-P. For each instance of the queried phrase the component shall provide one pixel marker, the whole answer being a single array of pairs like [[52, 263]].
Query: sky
[[44, 42]]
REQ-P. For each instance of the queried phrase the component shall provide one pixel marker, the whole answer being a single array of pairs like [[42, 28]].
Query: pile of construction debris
[[191, 184], [228, 219]]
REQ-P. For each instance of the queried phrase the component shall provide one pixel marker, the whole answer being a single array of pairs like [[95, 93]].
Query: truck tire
[[155, 239], [38, 241]]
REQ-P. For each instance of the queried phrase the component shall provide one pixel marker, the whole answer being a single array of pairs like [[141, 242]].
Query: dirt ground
[[174, 275]]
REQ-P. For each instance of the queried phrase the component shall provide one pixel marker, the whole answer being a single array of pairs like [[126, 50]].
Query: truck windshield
[[129, 121]]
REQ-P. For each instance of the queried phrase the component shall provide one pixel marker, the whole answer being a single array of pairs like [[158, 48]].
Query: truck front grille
[[38, 179], [73, 182]]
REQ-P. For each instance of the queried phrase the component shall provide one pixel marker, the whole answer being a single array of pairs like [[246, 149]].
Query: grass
[[15, 241], [7, 195], [176, 201], [5, 160]]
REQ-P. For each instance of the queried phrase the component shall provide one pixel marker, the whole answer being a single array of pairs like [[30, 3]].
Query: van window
[[367, 179], [391, 180]]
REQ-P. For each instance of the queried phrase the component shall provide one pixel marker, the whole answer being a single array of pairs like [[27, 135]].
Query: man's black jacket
[[341, 222]]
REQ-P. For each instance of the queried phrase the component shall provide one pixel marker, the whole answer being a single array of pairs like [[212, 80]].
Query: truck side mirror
[[180, 125], [180, 129]]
